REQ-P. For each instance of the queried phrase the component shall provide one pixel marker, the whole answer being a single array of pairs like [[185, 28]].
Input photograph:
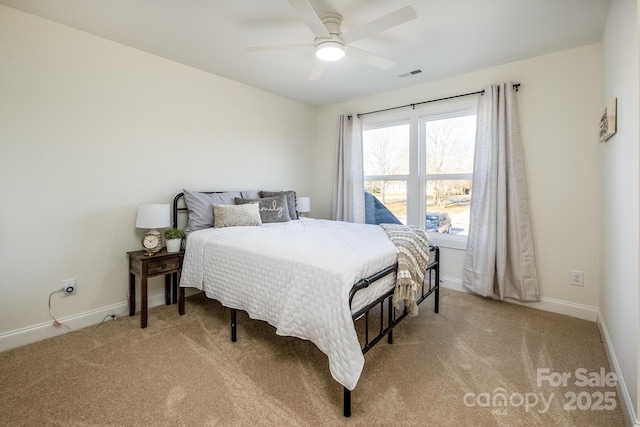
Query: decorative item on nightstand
[[174, 236], [303, 205], [152, 216]]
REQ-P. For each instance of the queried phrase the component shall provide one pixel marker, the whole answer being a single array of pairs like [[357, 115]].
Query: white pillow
[[236, 215]]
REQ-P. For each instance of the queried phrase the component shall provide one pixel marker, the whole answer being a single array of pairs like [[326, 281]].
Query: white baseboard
[[624, 398], [46, 330], [546, 304]]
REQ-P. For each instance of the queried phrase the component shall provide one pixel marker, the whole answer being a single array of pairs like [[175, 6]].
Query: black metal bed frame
[[430, 285]]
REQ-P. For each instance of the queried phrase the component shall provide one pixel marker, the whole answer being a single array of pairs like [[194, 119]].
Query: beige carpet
[[442, 370]]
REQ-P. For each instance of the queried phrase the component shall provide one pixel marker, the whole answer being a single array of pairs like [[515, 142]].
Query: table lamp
[[153, 216], [303, 205]]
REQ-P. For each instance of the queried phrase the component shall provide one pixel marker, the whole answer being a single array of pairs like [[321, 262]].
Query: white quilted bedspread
[[294, 275]]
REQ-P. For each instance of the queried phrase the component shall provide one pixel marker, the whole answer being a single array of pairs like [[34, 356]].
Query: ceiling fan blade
[[400, 16], [310, 17], [369, 58], [317, 70], [278, 47]]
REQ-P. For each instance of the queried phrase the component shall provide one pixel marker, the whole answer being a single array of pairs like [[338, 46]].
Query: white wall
[[89, 129], [620, 207], [559, 103]]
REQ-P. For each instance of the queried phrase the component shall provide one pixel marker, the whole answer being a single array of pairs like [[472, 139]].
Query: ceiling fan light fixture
[[330, 50]]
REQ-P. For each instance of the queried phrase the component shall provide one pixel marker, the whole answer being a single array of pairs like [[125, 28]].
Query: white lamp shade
[[303, 204], [153, 215]]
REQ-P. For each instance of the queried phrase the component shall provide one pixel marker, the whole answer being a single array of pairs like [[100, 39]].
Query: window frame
[[418, 176]]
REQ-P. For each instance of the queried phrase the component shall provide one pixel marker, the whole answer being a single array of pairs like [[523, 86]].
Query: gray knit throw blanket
[[412, 245]]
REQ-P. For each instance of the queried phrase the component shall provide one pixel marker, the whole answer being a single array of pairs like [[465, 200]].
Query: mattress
[[296, 276]]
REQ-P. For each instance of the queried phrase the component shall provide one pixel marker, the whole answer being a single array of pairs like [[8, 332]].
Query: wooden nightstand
[[162, 263]]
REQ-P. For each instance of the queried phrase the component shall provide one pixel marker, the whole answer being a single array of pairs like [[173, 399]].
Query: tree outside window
[[449, 146]]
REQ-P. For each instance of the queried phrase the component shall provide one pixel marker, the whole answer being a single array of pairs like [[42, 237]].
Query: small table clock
[[152, 242], [152, 216]]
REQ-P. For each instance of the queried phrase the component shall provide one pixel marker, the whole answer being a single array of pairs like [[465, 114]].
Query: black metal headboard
[[177, 209], [180, 207]]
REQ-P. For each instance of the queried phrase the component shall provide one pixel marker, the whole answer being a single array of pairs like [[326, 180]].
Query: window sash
[[386, 178], [448, 176]]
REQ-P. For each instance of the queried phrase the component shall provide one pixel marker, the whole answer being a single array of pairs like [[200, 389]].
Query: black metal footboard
[[430, 285]]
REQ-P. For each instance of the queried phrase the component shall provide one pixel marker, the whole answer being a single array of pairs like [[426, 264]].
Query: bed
[[308, 278]]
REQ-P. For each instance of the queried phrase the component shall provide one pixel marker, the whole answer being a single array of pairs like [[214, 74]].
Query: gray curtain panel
[[500, 261], [348, 194]]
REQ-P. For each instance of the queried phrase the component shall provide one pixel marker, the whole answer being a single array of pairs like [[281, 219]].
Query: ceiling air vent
[[411, 73]]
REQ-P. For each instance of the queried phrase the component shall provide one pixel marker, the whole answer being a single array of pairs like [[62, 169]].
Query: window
[[418, 167], [386, 170], [448, 179]]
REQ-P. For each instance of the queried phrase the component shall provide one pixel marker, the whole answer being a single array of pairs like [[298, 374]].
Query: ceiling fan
[[331, 44]]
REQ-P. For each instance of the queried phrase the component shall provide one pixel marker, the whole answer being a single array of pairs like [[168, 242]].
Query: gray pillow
[[199, 207], [272, 209], [291, 200], [250, 194], [236, 215]]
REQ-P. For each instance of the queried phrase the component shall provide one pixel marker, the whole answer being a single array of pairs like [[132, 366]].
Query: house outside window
[[418, 168]]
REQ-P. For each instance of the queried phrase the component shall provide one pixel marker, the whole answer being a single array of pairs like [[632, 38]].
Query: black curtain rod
[[413, 106]]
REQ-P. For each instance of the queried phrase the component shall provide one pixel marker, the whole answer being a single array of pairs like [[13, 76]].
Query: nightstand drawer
[[161, 266]]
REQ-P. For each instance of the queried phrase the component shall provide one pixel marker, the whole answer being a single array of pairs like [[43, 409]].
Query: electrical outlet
[[69, 287], [577, 278]]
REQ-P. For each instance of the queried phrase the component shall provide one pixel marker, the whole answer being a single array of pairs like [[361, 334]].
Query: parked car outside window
[[438, 222]]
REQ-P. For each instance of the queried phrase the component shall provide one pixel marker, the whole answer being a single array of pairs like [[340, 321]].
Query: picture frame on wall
[[608, 120]]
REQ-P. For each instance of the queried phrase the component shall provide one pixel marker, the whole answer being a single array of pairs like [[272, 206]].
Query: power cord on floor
[[108, 316], [113, 316], [56, 323]]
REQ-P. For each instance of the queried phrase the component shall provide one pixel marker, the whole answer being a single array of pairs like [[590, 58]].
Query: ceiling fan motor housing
[[331, 48]]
